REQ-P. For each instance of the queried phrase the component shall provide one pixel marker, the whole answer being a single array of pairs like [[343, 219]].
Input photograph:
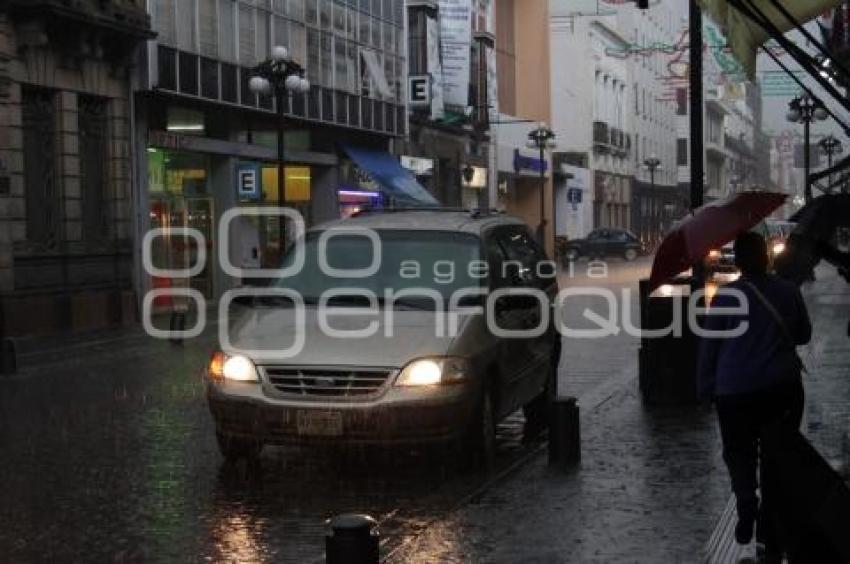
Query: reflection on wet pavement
[[113, 456]]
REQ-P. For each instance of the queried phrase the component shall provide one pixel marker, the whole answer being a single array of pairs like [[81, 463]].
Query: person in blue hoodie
[[754, 378]]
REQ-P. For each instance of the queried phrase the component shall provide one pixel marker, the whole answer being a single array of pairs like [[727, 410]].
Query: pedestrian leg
[[740, 452]]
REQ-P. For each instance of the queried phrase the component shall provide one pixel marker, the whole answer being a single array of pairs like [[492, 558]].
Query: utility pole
[[697, 141], [697, 147]]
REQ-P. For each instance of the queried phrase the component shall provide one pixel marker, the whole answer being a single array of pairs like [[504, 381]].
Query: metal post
[[807, 157], [281, 169], [655, 227], [543, 195], [697, 141], [352, 539], [697, 147], [829, 164], [564, 433]]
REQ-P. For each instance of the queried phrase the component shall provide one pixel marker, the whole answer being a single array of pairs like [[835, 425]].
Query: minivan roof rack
[[473, 212]]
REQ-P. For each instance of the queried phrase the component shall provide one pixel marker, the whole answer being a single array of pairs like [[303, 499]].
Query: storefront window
[[298, 194], [179, 198]]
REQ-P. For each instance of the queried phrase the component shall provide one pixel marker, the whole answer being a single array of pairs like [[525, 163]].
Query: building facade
[[732, 125], [202, 133], [524, 102], [653, 35], [66, 227], [448, 145], [591, 108]]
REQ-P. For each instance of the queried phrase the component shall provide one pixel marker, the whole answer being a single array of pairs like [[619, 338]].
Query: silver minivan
[[405, 326]]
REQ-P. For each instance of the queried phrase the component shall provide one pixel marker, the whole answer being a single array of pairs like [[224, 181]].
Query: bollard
[[352, 539], [564, 433]]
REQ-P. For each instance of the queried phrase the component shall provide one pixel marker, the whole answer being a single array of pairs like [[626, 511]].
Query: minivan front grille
[[322, 382]]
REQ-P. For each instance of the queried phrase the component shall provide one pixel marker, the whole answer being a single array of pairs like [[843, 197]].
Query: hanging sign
[[456, 49], [435, 69]]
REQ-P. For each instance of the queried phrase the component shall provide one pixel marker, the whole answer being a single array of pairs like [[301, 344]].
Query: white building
[[730, 128], [655, 40], [614, 107], [590, 106]]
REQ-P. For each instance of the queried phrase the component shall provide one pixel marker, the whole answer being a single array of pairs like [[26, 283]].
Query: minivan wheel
[[630, 255], [234, 448]]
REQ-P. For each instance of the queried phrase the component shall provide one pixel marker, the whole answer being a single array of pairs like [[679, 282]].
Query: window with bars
[[41, 190], [94, 147], [325, 36]]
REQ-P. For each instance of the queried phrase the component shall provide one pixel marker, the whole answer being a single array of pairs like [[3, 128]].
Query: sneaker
[[747, 513], [744, 530]]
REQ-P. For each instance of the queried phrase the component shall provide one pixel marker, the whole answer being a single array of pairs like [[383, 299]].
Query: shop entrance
[[179, 198], [176, 251]]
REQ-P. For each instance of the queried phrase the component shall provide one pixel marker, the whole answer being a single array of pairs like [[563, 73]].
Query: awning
[[396, 181], [745, 36]]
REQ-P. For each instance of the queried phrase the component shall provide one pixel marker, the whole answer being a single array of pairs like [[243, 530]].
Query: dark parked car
[[601, 243]]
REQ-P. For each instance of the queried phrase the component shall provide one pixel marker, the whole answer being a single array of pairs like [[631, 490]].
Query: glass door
[[177, 251]]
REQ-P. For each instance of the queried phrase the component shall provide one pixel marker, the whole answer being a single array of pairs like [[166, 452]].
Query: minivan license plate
[[321, 423]]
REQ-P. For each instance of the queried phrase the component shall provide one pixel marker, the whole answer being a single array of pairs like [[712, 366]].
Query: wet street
[[109, 454]]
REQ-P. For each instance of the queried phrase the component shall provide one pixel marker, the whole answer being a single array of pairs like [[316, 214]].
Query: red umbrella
[[709, 227]]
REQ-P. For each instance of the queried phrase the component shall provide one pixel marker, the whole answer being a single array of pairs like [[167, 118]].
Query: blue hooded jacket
[[762, 357]]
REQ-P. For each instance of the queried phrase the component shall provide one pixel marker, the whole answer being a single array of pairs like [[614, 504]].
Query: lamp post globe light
[[279, 76], [542, 138], [830, 145], [653, 164], [804, 109]]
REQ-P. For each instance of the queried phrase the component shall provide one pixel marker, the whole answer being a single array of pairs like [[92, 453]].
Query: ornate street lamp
[[280, 76], [803, 109], [542, 139], [831, 146], [653, 164]]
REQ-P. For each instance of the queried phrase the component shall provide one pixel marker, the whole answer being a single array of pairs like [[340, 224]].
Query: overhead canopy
[[396, 181], [745, 36]]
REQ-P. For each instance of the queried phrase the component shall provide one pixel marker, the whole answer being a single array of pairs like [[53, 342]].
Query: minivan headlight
[[433, 372], [232, 367]]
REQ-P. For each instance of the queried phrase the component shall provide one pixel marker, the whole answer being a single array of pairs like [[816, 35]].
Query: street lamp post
[[542, 139], [652, 164], [831, 146], [805, 110], [281, 76]]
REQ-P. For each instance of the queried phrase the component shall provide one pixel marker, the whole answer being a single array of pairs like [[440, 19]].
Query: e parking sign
[[419, 91], [248, 182]]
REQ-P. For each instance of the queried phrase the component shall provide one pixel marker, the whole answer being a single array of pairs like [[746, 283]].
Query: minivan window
[[433, 260], [520, 248]]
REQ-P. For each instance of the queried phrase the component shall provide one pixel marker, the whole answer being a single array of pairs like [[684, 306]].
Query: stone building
[[65, 198]]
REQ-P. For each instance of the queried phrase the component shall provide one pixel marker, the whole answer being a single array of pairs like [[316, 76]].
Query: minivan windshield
[[411, 260]]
